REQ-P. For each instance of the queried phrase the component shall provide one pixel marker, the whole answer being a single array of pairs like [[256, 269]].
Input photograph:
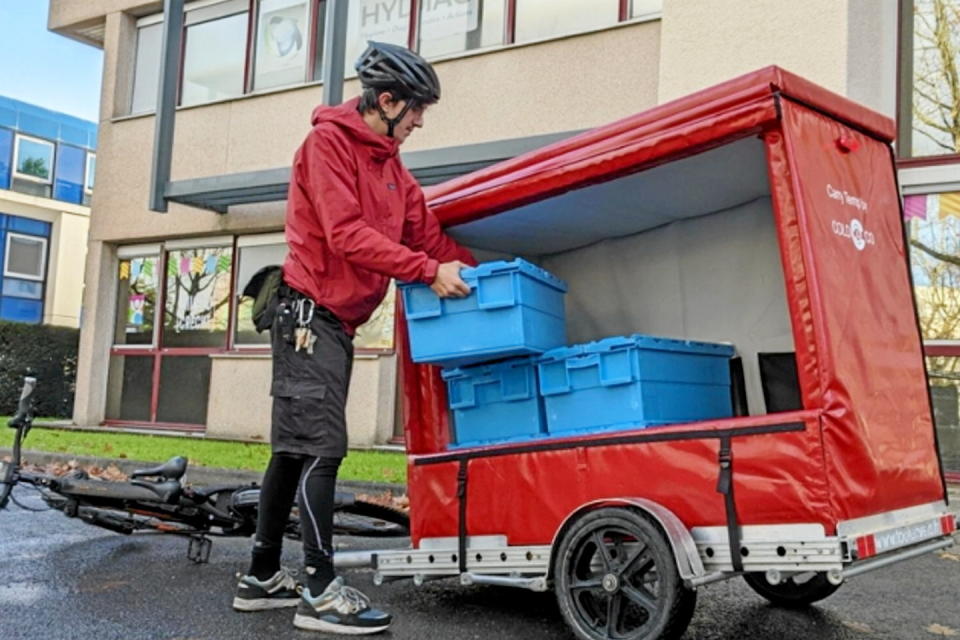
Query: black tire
[[370, 520], [615, 576], [795, 591]]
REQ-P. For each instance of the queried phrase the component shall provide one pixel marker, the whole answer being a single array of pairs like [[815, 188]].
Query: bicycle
[[155, 500]]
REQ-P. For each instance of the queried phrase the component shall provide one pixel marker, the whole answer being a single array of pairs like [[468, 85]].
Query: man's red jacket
[[356, 217]]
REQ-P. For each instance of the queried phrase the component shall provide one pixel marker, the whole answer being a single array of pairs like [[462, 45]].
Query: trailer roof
[[734, 109]]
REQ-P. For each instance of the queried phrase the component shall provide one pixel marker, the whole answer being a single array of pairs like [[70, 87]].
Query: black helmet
[[396, 69]]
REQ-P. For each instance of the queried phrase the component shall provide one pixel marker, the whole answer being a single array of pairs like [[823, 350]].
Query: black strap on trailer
[[462, 528], [725, 486]]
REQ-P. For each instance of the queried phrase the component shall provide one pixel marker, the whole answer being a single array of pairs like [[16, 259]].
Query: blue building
[[47, 165]]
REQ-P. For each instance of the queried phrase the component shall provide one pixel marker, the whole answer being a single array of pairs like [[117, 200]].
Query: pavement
[[61, 579]]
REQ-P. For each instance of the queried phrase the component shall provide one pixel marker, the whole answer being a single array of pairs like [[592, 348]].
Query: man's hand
[[448, 284]]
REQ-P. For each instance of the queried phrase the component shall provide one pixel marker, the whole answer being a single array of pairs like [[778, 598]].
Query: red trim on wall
[[510, 23], [252, 11], [413, 32], [928, 161], [953, 477], [624, 10], [155, 388], [312, 39], [232, 299], [931, 350]]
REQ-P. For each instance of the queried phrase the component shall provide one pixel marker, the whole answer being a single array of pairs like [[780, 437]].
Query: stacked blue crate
[[514, 311], [628, 382]]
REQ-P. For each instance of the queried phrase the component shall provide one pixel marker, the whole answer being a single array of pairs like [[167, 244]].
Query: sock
[[318, 578], [264, 566]]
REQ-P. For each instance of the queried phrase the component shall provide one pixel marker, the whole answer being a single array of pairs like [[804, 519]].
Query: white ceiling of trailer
[[709, 182]]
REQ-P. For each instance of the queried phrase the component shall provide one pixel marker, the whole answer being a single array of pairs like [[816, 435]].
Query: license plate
[[907, 535]]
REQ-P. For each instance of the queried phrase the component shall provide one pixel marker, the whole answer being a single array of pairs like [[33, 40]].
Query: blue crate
[[514, 308], [494, 402], [633, 382]]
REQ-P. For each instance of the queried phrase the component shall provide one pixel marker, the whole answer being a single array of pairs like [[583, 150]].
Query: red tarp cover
[[865, 442]]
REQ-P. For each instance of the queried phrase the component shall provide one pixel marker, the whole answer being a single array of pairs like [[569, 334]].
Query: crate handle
[[584, 361], [431, 311], [499, 303], [468, 398]]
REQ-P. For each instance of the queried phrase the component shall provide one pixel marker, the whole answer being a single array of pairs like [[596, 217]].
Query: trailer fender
[[681, 541]]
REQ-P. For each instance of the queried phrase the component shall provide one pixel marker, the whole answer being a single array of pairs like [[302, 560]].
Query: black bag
[[264, 288]]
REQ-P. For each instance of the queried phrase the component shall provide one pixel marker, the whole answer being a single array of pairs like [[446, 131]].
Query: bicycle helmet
[[406, 75]]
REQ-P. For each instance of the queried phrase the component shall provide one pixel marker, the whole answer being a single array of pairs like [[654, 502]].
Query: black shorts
[[310, 390]]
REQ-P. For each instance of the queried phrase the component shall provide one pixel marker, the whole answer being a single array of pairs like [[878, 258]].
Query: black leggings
[[313, 482]]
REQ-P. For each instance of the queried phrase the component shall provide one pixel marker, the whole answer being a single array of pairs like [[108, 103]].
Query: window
[[6, 152], [283, 43], [68, 183], [934, 231], [197, 295], [215, 53], [645, 8], [146, 72], [452, 27], [137, 283], [536, 19], [375, 20], [33, 166], [254, 253], [377, 332], [91, 170], [25, 257], [129, 388], [929, 63], [89, 175]]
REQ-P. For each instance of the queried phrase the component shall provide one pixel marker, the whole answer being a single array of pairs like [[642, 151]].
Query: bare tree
[[936, 88]]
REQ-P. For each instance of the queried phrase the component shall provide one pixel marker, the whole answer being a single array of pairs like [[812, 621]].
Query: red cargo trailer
[[763, 212]]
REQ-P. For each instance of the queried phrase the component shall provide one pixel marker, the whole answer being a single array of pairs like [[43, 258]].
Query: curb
[[195, 474]]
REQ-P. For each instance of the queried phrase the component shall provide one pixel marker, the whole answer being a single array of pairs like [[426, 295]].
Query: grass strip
[[365, 466]]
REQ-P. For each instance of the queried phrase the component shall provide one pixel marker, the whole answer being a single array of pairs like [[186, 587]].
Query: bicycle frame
[[165, 505]]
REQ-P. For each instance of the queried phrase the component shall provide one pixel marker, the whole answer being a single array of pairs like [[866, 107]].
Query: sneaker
[[339, 609], [279, 591]]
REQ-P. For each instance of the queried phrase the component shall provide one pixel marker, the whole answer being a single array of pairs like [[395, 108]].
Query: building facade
[[167, 345], [47, 164]]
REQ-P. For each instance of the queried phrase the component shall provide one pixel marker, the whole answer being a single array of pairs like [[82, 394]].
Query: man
[[355, 218]]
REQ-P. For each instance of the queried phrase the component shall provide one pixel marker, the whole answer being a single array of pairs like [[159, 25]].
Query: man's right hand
[[448, 283]]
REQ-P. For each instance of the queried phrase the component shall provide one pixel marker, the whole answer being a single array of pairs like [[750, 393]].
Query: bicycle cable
[[25, 507]]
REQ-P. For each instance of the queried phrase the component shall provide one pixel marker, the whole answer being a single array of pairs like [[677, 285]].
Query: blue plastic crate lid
[[638, 341], [470, 275], [484, 368]]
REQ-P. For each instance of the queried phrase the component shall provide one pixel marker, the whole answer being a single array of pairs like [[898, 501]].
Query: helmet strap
[[393, 122]]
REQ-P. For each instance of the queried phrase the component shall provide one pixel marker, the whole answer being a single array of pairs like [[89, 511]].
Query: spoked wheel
[[616, 578], [796, 591]]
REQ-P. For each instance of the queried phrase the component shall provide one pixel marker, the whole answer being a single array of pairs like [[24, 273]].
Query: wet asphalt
[[63, 579]]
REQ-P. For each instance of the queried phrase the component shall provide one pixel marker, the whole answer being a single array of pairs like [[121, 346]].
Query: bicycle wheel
[[371, 520]]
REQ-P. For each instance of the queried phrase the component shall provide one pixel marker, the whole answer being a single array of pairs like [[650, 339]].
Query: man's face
[[412, 119]]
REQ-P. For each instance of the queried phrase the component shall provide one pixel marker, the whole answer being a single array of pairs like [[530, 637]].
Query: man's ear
[[385, 99]]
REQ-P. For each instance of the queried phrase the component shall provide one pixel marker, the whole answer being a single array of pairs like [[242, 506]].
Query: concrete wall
[[66, 252]]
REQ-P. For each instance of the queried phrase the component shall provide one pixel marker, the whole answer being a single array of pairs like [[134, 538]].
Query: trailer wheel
[[615, 577], [796, 591]]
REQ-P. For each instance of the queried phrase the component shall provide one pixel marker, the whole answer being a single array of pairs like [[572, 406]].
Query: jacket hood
[[349, 120]]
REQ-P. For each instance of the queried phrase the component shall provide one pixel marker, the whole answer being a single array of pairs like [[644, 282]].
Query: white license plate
[[907, 535]]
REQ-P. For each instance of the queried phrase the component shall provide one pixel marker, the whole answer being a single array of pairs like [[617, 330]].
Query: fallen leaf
[[940, 630], [946, 555], [857, 626]]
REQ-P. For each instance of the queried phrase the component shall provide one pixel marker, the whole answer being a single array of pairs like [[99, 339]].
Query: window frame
[[904, 93], [7, 273], [129, 252], [15, 172], [229, 10], [87, 188], [314, 7]]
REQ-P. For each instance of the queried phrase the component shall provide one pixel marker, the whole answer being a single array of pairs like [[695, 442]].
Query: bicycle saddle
[[172, 469]]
